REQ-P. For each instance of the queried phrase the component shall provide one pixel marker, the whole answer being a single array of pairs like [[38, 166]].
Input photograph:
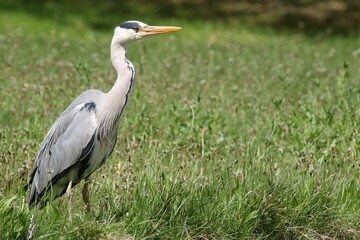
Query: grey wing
[[69, 140]]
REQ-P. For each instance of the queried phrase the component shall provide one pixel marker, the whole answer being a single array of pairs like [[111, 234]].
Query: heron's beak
[[152, 30]]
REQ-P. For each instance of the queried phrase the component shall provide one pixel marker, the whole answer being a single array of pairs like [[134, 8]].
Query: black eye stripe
[[136, 29], [130, 25]]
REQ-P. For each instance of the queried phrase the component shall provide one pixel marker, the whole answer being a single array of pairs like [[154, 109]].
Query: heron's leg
[[69, 193], [86, 195]]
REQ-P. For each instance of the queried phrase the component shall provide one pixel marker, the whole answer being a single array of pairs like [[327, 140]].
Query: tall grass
[[230, 133]]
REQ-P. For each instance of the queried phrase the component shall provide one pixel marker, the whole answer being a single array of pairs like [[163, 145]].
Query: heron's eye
[[136, 29]]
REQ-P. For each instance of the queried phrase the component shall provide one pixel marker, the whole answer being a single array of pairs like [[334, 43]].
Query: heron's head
[[133, 30]]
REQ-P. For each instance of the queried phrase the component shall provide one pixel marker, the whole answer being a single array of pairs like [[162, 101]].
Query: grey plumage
[[67, 146], [84, 135]]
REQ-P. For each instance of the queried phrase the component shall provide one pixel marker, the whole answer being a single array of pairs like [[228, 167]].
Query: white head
[[133, 30]]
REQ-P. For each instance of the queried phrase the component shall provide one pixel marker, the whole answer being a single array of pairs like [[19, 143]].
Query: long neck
[[117, 98], [125, 71]]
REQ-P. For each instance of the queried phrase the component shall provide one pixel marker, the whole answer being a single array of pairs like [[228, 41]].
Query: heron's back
[[71, 150]]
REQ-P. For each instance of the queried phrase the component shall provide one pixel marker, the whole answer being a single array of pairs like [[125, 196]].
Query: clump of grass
[[14, 218]]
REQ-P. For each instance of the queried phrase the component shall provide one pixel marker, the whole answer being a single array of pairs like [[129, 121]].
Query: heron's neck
[[118, 55], [117, 97], [125, 72]]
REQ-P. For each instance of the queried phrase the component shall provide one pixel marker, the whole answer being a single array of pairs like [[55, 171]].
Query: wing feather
[[69, 141]]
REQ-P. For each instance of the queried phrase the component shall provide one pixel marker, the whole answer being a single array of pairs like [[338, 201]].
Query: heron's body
[[84, 135]]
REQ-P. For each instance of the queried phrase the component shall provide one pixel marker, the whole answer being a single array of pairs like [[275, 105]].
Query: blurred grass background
[[244, 125], [340, 16]]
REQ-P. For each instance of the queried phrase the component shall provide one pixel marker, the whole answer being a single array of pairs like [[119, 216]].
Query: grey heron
[[84, 135]]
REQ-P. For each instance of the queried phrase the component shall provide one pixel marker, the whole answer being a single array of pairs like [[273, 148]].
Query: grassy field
[[231, 133]]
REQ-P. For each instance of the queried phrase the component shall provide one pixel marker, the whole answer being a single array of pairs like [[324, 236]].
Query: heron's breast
[[100, 153]]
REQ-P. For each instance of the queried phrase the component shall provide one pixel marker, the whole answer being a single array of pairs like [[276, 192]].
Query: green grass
[[231, 133]]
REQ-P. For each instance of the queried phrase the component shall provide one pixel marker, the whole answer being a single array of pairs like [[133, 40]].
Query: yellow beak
[[151, 30]]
